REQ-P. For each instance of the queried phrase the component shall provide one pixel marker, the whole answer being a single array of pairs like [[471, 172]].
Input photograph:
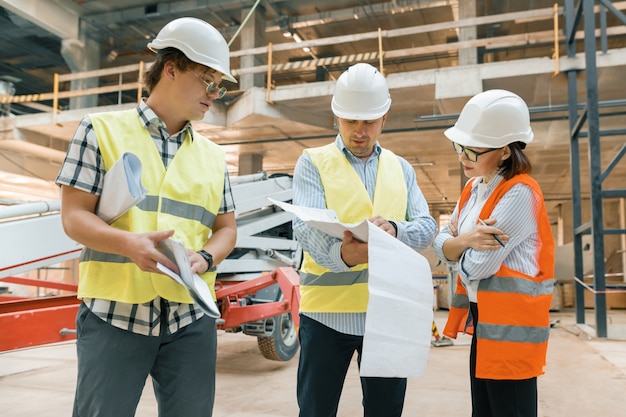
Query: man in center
[[360, 180]]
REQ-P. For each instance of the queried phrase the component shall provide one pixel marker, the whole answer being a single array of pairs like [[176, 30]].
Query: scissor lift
[[257, 285]]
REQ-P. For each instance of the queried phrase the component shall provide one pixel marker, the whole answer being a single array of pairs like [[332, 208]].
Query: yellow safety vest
[[186, 197], [346, 292]]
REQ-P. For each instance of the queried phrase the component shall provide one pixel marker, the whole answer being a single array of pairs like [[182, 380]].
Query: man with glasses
[[212, 87], [133, 320]]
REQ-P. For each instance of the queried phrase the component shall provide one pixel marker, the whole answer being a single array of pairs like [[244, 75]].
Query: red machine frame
[[27, 322], [38, 240], [235, 312]]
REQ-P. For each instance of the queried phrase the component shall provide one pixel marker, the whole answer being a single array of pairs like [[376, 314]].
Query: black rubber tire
[[283, 344]]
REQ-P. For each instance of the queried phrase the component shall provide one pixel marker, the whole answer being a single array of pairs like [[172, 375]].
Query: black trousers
[[325, 357], [500, 398]]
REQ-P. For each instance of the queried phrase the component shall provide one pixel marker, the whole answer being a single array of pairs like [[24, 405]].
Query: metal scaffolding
[[590, 116]]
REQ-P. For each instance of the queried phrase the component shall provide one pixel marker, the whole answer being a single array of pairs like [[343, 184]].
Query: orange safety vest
[[513, 308]]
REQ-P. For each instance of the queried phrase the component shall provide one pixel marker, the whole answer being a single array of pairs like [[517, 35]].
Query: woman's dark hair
[[517, 163], [153, 74]]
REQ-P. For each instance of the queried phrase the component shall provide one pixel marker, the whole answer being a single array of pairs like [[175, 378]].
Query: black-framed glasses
[[212, 87], [470, 154]]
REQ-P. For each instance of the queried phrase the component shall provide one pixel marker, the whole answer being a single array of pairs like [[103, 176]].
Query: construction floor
[[585, 376]]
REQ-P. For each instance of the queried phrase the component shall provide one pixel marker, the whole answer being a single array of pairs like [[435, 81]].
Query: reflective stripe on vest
[[186, 198], [337, 292], [515, 327], [526, 334], [188, 211], [513, 308], [322, 290]]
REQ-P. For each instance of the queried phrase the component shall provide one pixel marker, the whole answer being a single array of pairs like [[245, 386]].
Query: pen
[[494, 236]]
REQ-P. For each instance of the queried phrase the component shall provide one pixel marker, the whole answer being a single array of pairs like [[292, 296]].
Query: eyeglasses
[[212, 87], [470, 154]]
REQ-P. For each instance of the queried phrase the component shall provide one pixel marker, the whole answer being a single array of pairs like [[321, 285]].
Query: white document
[[398, 326], [195, 286], [324, 220], [399, 320], [122, 188]]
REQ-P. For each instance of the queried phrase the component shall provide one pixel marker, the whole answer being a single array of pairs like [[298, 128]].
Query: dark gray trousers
[[113, 365]]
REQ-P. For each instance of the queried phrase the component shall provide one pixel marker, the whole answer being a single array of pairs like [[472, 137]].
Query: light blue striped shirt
[[515, 215], [417, 231]]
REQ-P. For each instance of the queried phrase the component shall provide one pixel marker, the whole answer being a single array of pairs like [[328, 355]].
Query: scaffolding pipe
[[28, 209]]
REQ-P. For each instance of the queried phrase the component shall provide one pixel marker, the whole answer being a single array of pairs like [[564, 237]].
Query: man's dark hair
[[153, 74]]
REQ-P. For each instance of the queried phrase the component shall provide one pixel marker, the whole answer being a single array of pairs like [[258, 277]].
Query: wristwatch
[[207, 257]]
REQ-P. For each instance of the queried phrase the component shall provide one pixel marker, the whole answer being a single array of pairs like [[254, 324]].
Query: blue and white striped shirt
[[515, 215], [417, 231]]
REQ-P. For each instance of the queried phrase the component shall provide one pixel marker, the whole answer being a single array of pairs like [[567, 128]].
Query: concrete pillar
[[559, 238], [464, 80], [566, 223], [250, 163], [462, 178], [252, 35], [82, 54], [436, 214], [467, 56]]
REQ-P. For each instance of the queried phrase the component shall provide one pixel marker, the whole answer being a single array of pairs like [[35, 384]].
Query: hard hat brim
[[457, 135], [155, 46], [462, 138], [365, 113]]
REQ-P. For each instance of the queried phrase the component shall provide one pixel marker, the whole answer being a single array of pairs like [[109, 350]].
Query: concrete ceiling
[[429, 77]]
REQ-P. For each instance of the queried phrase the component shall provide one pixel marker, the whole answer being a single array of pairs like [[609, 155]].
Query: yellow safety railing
[[271, 51], [57, 94]]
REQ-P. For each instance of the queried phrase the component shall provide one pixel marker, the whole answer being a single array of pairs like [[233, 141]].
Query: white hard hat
[[198, 40], [361, 93], [492, 119]]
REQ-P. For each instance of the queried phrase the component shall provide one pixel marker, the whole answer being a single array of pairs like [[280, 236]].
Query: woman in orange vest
[[500, 238]]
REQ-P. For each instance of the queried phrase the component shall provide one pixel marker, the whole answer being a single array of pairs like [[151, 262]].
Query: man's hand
[[384, 224], [141, 248], [353, 251], [198, 263]]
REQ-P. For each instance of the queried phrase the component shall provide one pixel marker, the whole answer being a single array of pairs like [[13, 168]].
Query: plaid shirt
[[83, 169]]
